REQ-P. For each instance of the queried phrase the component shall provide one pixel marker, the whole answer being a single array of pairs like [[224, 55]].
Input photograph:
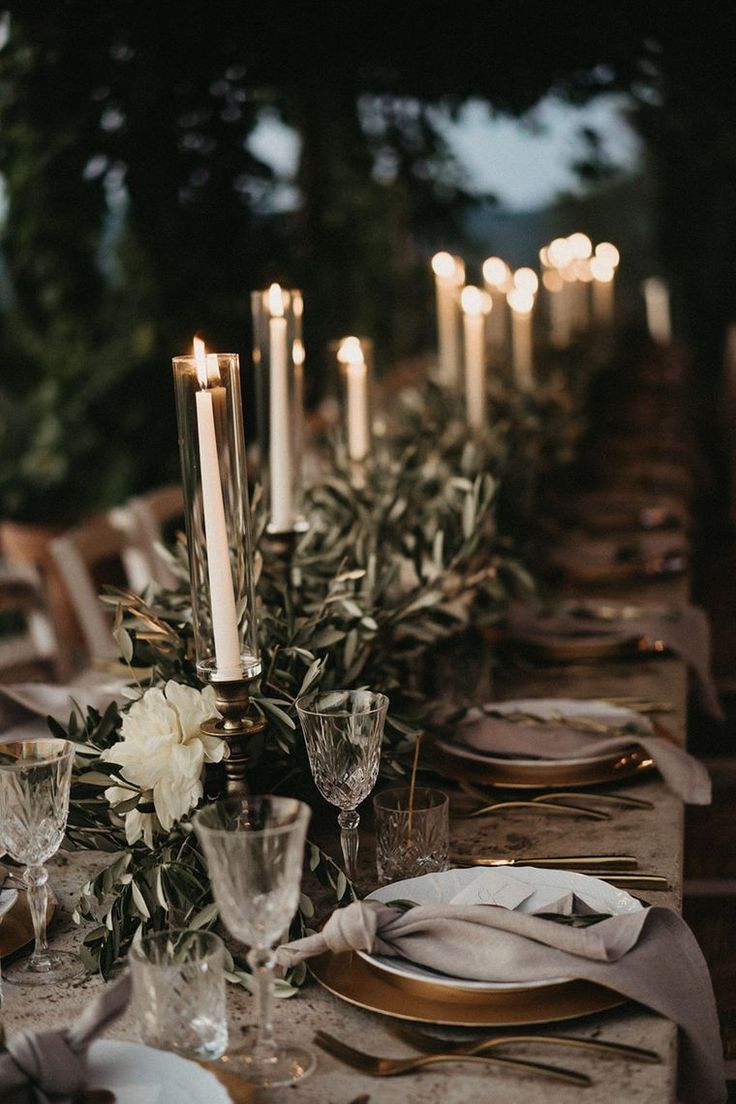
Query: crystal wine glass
[[343, 730], [254, 848], [35, 779]]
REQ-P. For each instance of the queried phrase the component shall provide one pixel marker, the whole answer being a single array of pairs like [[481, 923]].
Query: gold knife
[[625, 880], [611, 862]]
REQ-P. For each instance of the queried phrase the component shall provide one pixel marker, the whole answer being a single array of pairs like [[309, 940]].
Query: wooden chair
[[158, 515], [105, 549], [28, 647], [727, 413]]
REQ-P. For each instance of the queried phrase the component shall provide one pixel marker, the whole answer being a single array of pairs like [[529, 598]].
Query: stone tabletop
[[655, 836]]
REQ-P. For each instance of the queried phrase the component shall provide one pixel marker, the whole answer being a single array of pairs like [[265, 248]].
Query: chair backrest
[[28, 646], [104, 549], [727, 411], [157, 514]]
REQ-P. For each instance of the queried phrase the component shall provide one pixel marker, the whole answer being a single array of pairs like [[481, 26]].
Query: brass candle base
[[237, 727]]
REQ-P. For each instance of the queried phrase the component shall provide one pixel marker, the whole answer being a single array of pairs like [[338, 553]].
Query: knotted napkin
[[39, 1066], [92, 688], [685, 631], [684, 775], [643, 555], [649, 956], [605, 511]]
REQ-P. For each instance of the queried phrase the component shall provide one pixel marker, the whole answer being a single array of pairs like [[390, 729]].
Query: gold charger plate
[[239, 1091], [536, 774], [633, 571], [352, 979], [562, 649]]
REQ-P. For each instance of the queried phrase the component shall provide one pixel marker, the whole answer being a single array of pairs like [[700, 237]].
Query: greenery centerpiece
[[387, 570]]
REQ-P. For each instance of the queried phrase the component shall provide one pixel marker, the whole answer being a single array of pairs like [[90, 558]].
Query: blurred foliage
[[138, 211]]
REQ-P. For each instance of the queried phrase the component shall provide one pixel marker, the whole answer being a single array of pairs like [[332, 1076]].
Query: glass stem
[[35, 878], [349, 821], [261, 961]]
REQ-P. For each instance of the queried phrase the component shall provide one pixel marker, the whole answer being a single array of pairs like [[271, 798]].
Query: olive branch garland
[[389, 568], [359, 626]]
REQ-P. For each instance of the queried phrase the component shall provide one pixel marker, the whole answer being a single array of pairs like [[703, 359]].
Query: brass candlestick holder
[[237, 726], [212, 449]]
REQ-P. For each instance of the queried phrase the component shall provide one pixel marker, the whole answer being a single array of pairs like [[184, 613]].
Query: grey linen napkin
[[685, 631], [684, 775], [39, 1066], [649, 956], [580, 551], [92, 688]]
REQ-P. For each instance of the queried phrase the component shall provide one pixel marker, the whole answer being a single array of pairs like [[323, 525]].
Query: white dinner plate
[[141, 1075], [545, 709], [492, 885]]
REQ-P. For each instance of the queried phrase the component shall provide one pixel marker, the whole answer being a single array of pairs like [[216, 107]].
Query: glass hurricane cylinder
[[212, 450], [278, 357], [352, 366]]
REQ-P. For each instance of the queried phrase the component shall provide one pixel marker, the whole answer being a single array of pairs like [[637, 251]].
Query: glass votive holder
[[179, 992], [412, 837]]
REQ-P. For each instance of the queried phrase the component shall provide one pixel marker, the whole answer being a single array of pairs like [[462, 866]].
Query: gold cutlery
[[654, 882], [622, 800], [569, 802], [640, 705], [617, 870], [568, 862], [557, 719], [549, 806], [430, 1043], [393, 1067]]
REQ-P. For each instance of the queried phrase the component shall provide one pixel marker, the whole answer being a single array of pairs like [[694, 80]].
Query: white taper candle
[[279, 443], [222, 595]]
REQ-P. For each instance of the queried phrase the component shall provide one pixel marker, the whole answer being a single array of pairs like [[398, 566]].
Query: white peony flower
[[163, 753]]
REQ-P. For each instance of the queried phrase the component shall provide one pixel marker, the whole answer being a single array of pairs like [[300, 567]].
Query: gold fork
[[552, 802], [393, 1067], [430, 1043], [539, 802]]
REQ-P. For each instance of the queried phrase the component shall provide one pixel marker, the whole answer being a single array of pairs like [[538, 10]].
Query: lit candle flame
[[552, 280], [208, 370], [520, 300], [445, 266], [608, 254], [526, 280], [601, 269], [495, 272], [559, 253], [350, 351], [474, 301], [584, 270], [297, 351], [200, 359], [275, 301], [580, 246]]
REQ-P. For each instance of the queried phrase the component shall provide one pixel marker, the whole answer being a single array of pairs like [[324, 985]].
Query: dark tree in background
[[138, 214]]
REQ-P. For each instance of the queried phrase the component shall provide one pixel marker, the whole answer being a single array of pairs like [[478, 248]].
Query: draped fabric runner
[[684, 775], [684, 631], [649, 956], [43, 1066]]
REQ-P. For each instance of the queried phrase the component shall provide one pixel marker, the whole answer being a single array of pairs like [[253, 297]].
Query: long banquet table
[[655, 836]]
